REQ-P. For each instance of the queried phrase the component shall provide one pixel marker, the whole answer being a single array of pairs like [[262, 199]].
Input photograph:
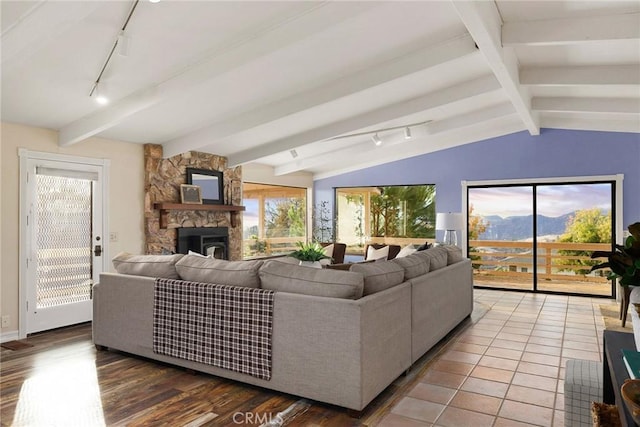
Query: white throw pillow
[[328, 251], [406, 251], [198, 254], [375, 254]]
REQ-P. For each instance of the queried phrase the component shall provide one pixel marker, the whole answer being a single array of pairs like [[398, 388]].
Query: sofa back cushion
[[437, 256], [147, 265], [278, 276], [413, 265], [454, 254], [210, 270], [379, 275]]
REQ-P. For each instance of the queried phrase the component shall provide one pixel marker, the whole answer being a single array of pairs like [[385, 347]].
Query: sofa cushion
[[278, 276], [374, 254], [437, 257], [210, 270], [147, 265], [379, 275], [413, 265], [406, 251], [454, 254]]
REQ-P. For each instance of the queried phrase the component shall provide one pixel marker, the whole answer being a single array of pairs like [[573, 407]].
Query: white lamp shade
[[449, 221]]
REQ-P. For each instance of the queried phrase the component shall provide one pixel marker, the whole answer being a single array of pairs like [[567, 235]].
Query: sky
[[553, 200]]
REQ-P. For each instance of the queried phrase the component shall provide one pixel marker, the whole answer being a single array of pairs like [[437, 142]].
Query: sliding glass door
[[539, 237]]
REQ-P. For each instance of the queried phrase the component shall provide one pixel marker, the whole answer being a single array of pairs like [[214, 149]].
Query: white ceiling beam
[[581, 76], [458, 93], [39, 26], [587, 105], [571, 31], [396, 68], [232, 55], [470, 119], [584, 123], [483, 22]]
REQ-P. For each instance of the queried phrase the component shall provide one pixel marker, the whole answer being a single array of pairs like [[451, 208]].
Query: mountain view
[[521, 227]]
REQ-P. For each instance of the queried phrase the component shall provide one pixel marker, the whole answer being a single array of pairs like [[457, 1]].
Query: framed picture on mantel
[[210, 183], [190, 194]]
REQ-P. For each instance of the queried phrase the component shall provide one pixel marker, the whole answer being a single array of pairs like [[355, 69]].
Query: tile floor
[[507, 368]]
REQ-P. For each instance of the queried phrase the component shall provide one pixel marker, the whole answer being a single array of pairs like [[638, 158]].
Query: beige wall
[[126, 199]]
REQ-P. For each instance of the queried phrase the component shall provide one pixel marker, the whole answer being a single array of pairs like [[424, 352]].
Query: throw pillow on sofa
[[278, 276], [375, 254], [379, 275], [406, 251], [221, 272], [147, 265]]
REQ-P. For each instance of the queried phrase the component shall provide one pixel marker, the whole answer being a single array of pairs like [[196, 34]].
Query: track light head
[[98, 94], [376, 139], [407, 133], [124, 44]]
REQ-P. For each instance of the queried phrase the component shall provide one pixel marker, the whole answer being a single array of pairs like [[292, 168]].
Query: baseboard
[[9, 336]]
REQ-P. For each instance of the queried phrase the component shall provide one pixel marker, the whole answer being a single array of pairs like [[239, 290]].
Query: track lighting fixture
[[374, 132], [123, 42]]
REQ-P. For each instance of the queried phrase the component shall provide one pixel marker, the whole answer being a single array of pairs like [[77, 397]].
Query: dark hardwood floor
[[60, 379]]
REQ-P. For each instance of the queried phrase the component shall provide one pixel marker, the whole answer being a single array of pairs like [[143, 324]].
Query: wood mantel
[[165, 207]]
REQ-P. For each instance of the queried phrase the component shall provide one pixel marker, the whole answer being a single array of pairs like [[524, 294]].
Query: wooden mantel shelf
[[165, 207]]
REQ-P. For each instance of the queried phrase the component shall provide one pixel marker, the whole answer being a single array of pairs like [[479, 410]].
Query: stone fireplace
[[162, 185]]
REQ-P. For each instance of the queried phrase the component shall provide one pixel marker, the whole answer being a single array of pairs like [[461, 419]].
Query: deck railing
[[514, 261]]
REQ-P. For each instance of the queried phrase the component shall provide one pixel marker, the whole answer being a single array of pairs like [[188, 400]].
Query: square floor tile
[[493, 374], [476, 402], [418, 409], [538, 369], [531, 395], [490, 388], [453, 367], [444, 379], [535, 381], [456, 417], [524, 412], [432, 393]]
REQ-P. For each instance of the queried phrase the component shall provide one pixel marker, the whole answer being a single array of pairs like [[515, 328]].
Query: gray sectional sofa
[[339, 337]]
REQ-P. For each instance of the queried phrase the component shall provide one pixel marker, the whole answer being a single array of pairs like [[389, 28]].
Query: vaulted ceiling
[[304, 86]]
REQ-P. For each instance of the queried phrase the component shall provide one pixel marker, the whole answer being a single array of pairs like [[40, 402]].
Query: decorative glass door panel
[[63, 238]]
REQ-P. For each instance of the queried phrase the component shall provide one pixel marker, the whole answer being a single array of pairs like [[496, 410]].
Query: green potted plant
[[624, 260], [309, 254]]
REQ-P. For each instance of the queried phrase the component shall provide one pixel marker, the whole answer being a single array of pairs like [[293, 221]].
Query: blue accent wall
[[553, 153]]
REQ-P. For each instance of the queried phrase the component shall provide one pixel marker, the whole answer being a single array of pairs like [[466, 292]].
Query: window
[[539, 235], [274, 220], [398, 215]]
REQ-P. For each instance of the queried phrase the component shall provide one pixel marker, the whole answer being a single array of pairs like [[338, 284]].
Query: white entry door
[[64, 241]]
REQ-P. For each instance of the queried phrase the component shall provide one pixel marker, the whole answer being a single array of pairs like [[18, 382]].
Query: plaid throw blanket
[[224, 326]]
